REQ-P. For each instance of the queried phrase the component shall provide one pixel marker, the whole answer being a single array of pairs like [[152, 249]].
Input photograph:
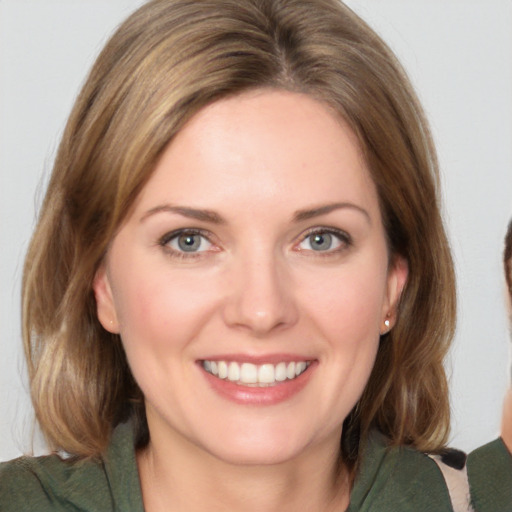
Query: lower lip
[[250, 395]]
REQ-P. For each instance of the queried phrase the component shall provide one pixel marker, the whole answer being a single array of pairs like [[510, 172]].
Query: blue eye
[[186, 242], [320, 241], [324, 241]]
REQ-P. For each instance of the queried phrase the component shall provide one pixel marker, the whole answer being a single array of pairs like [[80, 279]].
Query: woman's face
[[251, 281]]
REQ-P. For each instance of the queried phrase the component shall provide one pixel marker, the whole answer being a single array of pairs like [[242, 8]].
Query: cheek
[[346, 312], [160, 315], [349, 303], [160, 309]]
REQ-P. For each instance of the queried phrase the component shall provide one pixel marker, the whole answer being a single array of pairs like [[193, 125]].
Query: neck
[[185, 478]]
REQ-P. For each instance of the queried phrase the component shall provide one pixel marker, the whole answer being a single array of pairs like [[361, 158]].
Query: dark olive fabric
[[51, 484], [390, 479], [490, 478], [398, 479]]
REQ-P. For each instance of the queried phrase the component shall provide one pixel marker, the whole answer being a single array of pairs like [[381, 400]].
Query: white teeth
[[233, 372], [266, 374], [300, 367], [290, 371], [251, 374], [281, 372], [223, 369], [248, 373]]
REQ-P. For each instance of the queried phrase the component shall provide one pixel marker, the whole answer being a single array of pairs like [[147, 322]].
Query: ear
[[397, 278], [105, 307]]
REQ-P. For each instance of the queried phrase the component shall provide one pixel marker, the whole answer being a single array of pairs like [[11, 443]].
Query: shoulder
[[490, 477], [398, 478], [51, 483]]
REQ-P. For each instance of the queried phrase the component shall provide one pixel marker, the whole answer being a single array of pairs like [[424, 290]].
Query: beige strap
[[457, 484]]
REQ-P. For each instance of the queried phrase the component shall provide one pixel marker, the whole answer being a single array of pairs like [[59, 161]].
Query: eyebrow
[[213, 217], [185, 211], [302, 215]]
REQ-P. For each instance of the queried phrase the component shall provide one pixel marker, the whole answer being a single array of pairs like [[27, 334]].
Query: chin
[[260, 447], [256, 455]]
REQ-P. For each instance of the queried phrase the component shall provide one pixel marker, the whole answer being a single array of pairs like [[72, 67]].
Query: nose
[[260, 297]]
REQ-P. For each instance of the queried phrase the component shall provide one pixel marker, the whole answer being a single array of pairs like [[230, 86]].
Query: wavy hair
[[507, 259], [165, 62]]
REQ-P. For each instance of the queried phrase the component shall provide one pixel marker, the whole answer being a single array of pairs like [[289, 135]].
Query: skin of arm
[[506, 423]]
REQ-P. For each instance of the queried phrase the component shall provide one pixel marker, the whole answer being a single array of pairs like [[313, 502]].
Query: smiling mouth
[[253, 375]]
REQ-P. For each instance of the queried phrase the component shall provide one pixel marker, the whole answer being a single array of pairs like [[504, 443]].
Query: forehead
[[265, 146]]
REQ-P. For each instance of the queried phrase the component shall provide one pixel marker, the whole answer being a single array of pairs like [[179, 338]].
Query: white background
[[459, 56]]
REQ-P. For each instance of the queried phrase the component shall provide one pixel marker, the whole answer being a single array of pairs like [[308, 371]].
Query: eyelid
[[344, 238], [164, 242]]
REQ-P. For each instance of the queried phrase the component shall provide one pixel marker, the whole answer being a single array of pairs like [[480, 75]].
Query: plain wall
[[459, 56]]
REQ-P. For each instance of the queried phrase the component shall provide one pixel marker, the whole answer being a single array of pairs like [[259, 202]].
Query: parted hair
[[163, 64]]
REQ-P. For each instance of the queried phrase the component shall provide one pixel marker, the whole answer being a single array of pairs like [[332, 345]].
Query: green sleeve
[[21, 489], [398, 479], [490, 478], [52, 483], [45, 484]]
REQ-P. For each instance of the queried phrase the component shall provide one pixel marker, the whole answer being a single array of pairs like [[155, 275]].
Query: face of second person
[[251, 281]]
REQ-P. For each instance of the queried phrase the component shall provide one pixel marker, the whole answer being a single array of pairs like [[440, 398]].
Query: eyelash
[[165, 240], [343, 238]]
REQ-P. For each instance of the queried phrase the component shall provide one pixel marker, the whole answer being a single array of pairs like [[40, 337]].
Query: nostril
[[259, 320]]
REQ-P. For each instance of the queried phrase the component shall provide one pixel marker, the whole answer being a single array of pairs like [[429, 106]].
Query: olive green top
[[390, 479], [42, 484], [490, 478]]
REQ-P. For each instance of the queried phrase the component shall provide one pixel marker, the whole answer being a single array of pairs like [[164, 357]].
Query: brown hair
[[167, 61], [507, 259]]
